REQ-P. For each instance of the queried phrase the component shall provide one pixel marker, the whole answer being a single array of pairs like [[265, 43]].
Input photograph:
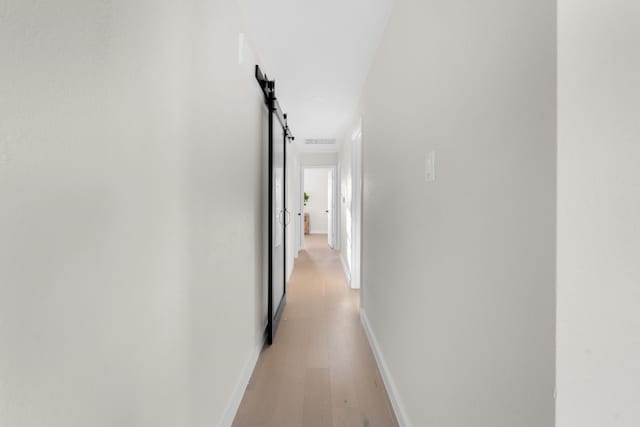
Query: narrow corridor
[[320, 370]]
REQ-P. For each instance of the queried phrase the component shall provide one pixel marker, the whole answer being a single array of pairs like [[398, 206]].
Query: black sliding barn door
[[279, 217]]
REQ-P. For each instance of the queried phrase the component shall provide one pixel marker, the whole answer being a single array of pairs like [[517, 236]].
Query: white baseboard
[[398, 408], [241, 387], [347, 274]]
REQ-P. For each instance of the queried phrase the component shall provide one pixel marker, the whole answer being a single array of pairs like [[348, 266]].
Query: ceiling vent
[[320, 142]]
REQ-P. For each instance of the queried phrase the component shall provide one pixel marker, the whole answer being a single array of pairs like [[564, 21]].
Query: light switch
[[430, 167]]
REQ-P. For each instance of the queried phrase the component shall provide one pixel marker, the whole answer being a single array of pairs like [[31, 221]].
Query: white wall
[[598, 310], [317, 159], [459, 274], [130, 180], [316, 185]]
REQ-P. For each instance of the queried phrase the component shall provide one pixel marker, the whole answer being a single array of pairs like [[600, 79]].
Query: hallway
[[476, 174], [320, 370]]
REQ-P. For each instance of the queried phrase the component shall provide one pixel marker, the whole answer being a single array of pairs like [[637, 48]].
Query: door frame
[[336, 194]]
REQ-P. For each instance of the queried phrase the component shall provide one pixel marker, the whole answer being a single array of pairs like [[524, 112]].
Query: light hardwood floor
[[320, 371]]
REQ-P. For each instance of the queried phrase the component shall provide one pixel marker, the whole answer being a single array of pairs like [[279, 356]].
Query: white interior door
[[298, 208], [356, 209], [330, 208]]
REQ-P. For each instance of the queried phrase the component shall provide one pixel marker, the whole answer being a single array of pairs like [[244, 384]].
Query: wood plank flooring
[[320, 371]]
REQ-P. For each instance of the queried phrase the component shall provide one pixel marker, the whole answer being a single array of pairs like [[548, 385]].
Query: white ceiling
[[319, 53]]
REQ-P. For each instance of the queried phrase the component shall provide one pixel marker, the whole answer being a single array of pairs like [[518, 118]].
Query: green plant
[[306, 198]]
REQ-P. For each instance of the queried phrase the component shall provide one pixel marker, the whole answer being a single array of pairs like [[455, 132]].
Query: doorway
[[319, 204]]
